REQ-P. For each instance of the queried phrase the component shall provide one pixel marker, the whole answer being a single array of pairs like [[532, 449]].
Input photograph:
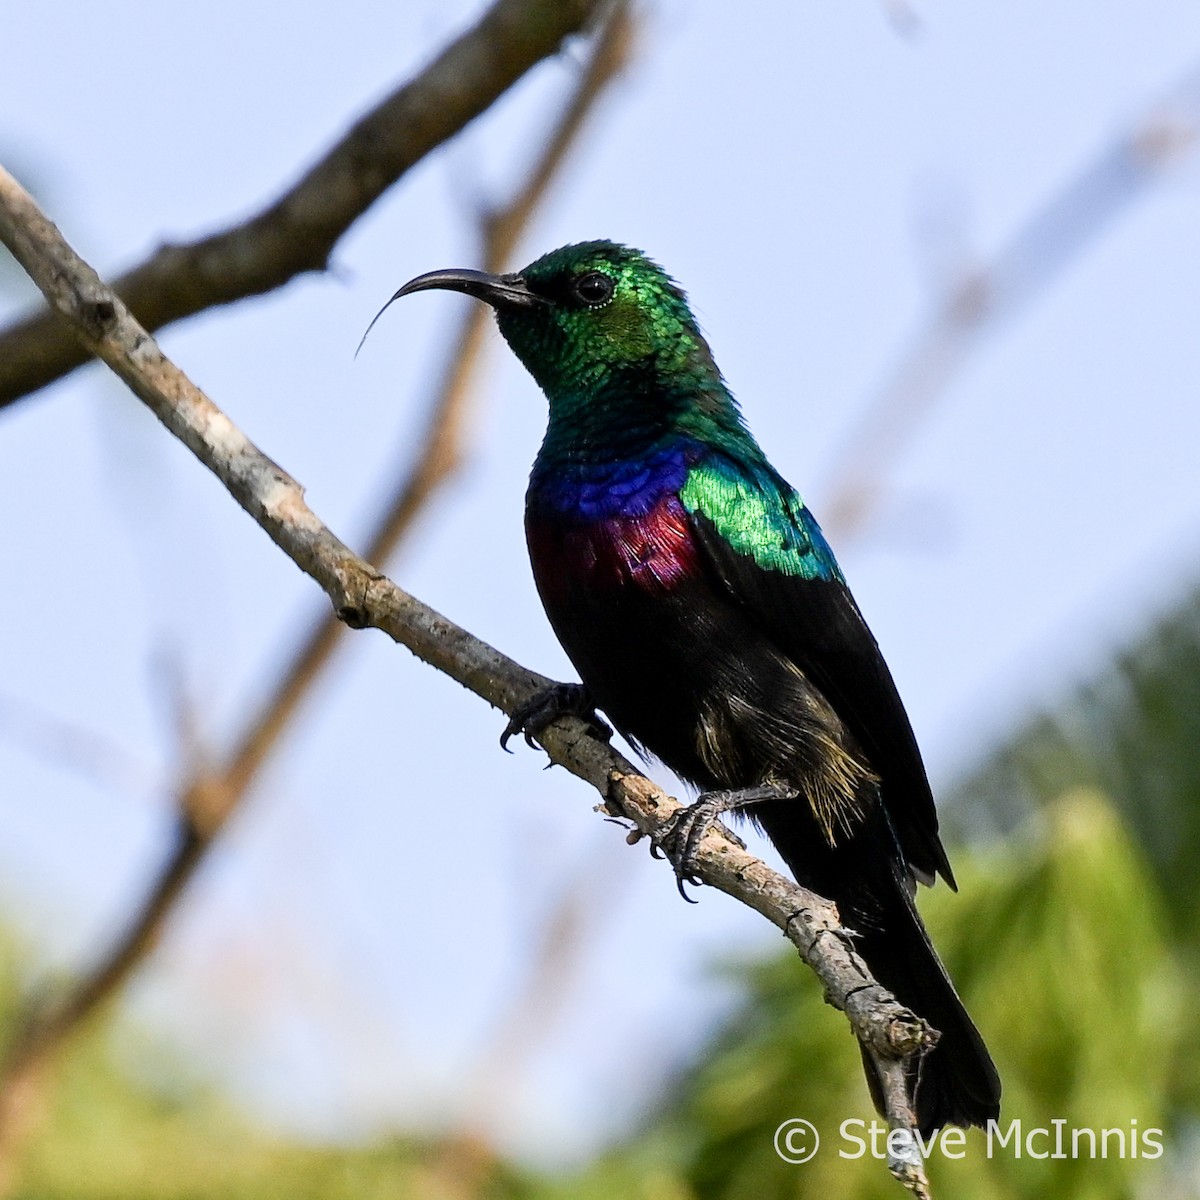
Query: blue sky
[[810, 175]]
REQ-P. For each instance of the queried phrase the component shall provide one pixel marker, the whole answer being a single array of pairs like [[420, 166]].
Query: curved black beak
[[500, 291]]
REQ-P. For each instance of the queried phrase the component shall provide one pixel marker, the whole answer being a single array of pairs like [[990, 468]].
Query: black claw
[[681, 835], [543, 709], [679, 842]]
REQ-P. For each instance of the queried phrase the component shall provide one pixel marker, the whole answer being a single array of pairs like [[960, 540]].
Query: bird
[[708, 619]]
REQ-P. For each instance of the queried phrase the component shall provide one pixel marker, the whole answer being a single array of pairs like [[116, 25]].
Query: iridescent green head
[[605, 307], [584, 315]]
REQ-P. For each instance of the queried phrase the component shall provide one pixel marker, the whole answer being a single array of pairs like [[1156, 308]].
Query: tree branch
[[892, 1035], [441, 451], [500, 230], [298, 231]]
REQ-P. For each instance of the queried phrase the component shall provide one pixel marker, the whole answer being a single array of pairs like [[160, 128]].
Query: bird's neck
[[633, 411], [619, 446]]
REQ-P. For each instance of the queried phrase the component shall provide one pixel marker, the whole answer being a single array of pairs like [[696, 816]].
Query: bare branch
[[362, 597], [985, 297], [298, 231], [209, 794]]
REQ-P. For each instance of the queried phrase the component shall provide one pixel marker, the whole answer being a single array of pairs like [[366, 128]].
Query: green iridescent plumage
[[631, 372], [761, 519], [582, 359], [707, 617]]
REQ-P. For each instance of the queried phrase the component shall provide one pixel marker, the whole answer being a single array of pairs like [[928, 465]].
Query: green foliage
[[1058, 947], [1132, 732], [109, 1136], [1075, 947]]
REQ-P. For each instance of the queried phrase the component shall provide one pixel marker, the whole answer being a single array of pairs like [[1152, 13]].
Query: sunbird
[[707, 617]]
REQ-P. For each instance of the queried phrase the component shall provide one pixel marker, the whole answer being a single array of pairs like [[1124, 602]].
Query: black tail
[[956, 1083]]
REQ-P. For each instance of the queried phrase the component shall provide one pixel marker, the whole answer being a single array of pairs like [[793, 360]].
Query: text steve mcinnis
[[1056, 1139]]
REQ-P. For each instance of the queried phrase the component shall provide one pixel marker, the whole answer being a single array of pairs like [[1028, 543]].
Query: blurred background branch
[[987, 295], [72, 747], [299, 231]]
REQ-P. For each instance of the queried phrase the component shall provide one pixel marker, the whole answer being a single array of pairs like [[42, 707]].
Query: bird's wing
[[767, 550]]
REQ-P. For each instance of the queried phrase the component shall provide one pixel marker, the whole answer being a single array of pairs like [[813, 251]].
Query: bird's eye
[[594, 288]]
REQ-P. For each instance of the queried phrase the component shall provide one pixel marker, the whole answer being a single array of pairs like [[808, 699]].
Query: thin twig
[[891, 1034], [524, 1022], [992, 293], [299, 230]]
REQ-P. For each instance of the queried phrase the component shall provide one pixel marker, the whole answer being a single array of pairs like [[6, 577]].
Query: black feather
[[818, 626]]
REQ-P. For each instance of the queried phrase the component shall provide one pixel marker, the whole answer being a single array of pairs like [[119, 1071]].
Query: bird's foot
[[681, 835], [558, 700]]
